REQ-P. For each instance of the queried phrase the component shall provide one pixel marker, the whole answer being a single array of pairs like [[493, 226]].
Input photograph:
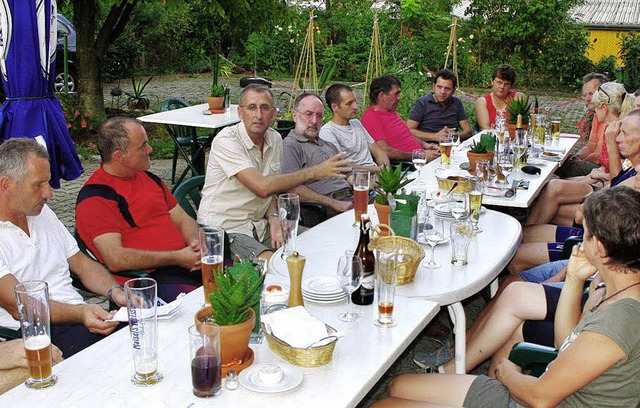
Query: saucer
[[246, 362], [250, 379]]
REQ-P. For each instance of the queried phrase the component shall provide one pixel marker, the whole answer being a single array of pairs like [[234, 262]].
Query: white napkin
[[164, 310], [295, 326], [557, 149]]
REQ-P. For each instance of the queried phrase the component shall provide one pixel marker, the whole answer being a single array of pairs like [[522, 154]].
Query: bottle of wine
[[519, 122], [364, 294]]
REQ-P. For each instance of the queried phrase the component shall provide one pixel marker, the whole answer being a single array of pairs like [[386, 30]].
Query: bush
[[80, 121], [630, 54]]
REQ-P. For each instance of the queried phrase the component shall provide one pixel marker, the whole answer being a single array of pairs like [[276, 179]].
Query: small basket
[[406, 269], [312, 356]]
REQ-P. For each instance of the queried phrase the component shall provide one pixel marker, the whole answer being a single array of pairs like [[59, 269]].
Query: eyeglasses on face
[[253, 108], [500, 82], [308, 114]]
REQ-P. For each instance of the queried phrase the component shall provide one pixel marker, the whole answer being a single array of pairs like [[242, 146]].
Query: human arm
[[96, 277], [379, 155], [615, 160], [393, 154], [13, 355], [426, 136], [187, 226], [308, 195], [466, 131], [275, 228], [482, 114]]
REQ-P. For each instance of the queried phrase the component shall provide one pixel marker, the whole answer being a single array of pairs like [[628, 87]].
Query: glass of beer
[[386, 279], [142, 300], [206, 376], [475, 206], [554, 128], [446, 145], [33, 306], [211, 256], [360, 194]]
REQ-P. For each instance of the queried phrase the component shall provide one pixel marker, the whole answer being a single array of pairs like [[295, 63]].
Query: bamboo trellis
[[453, 46], [374, 65], [306, 76]]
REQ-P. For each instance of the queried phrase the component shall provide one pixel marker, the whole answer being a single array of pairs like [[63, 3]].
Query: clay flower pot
[[383, 215], [216, 103], [475, 157], [234, 340]]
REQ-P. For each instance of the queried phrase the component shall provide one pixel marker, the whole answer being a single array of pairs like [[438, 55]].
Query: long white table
[[99, 375], [489, 253], [522, 198]]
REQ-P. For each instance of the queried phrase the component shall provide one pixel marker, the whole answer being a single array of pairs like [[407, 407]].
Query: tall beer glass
[[33, 307], [211, 256], [289, 214], [360, 194]]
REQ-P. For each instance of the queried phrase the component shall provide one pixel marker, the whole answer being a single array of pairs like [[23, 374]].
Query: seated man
[[439, 112], [347, 133], [150, 231], [303, 148], [13, 365], [243, 176], [386, 127], [34, 245]]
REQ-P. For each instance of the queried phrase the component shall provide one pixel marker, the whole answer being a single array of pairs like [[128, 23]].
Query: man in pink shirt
[[386, 127]]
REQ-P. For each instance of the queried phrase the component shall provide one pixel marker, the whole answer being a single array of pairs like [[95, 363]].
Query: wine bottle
[[519, 122], [364, 294]]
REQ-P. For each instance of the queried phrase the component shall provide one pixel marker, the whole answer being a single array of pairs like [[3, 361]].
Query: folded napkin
[[551, 158], [164, 310], [556, 149], [295, 326]]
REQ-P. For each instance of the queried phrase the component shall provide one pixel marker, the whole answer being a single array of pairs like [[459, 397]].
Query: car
[[65, 28]]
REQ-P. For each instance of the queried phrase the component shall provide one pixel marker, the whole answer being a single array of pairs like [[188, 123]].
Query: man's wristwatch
[[110, 291]]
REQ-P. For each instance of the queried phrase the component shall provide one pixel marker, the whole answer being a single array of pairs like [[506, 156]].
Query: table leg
[[493, 288], [456, 312]]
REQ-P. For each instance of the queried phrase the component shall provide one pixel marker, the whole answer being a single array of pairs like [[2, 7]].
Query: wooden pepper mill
[[295, 264]]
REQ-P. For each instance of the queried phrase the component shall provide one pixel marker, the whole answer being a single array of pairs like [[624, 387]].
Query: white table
[[523, 198], [489, 253], [99, 375], [193, 116]]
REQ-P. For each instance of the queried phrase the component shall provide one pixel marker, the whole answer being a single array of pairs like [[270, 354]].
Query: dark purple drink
[[205, 375]]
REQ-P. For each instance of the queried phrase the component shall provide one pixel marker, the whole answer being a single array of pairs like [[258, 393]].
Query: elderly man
[[243, 176], [130, 220], [347, 133], [34, 245], [303, 148], [439, 112], [386, 127]]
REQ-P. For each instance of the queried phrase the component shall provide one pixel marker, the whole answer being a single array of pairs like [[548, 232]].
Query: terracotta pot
[[234, 340], [474, 157], [216, 103], [511, 128], [383, 215]]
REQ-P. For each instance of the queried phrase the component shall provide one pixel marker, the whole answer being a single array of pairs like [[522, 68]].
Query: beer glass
[[460, 238], [554, 129], [33, 307], [446, 145], [386, 280], [204, 344], [475, 206], [211, 257], [142, 298], [360, 194], [289, 214]]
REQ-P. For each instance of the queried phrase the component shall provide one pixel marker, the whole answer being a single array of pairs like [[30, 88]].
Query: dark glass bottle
[[364, 294]]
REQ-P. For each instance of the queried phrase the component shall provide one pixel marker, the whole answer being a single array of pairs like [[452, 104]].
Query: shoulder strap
[[155, 178], [106, 192]]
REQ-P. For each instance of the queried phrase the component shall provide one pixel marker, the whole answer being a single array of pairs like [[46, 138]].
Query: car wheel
[[71, 81]]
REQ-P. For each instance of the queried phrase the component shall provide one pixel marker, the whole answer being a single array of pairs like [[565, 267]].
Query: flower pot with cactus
[[482, 150], [216, 98], [389, 181], [518, 106]]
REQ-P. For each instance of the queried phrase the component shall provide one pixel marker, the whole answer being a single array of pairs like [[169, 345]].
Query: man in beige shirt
[[243, 174]]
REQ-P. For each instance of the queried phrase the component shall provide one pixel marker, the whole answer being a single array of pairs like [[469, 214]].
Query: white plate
[[494, 191], [323, 297], [322, 285], [442, 208], [250, 379], [314, 300], [536, 162]]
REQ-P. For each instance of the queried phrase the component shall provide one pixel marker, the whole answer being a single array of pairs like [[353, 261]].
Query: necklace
[[609, 297]]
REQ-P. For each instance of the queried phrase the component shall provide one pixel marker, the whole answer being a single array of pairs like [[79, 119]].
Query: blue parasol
[[28, 31]]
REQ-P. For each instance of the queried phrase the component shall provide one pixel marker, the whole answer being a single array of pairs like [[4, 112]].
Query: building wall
[[604, 43]]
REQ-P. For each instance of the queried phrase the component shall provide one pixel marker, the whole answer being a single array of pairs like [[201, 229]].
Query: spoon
[[451, 189]]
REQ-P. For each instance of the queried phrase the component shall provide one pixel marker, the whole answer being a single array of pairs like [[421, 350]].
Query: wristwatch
[[111, 289]]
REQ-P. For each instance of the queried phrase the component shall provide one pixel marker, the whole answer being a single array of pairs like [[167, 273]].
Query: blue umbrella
[[27, 61]]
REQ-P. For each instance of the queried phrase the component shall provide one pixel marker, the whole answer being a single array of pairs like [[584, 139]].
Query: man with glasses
[[243, 174], [503, 78], [303, 149]]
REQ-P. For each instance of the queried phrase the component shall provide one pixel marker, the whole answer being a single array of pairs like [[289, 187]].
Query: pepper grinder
[[295, 264]]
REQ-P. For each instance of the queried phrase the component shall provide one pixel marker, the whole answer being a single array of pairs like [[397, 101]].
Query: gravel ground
[[194, 89]]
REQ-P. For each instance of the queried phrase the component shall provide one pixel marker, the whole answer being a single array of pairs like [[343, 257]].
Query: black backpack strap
[[106, 192]]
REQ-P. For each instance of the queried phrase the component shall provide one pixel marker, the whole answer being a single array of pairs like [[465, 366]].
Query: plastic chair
[[185, 136], [533, 358], [188, 195]]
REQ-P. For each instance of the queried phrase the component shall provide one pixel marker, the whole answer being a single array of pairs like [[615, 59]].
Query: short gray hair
[[259, 88], [595, 75], [113, 136], [13, 156]]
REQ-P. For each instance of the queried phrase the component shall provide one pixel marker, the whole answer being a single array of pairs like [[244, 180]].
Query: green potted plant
[[482, 150], [518, 106], [389, 181], [233, 301], [137, 100], [216, 98]]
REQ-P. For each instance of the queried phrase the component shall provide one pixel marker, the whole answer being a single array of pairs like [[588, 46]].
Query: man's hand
[[504, 369], [13, 355], [333, 167], [579, 268], [94, 319], [341, 206], [600, 173], [276, 232], [431, 151], [188, 257]]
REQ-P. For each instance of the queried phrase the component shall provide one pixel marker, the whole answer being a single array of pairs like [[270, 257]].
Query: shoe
[[438, 357]]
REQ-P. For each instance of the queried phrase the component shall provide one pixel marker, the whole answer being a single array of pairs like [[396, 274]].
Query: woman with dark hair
[[503, 78]]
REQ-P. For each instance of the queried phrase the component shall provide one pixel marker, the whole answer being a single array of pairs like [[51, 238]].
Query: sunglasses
[[605, 92]]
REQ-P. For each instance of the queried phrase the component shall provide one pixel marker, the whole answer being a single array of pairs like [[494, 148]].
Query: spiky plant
[[390, 181], [486, 143], [519, 106], [239, 289]]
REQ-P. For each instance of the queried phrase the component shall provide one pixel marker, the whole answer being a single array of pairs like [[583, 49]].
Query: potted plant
[[389, 181], [482, 150], [232, 305], [216, 98], [137, 99], [518, 106]]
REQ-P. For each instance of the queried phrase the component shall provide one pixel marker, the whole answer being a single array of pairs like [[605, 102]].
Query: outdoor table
[[100, 375], [489, 253], [522, 198], [193, 116]]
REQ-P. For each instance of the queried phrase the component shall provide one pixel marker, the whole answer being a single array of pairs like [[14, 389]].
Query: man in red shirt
[[137, 223], [386, 127]]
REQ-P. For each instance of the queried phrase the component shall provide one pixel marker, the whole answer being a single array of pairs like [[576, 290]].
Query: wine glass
[[475, 206], [419, 159], [433, 238], [455, 138], [458, 205], [349, 275], [504, 166]]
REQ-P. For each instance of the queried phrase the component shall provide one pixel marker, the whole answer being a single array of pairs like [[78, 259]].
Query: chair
[[405, 165], [188, 195], [532, 358], [568, 245], [184, 136]]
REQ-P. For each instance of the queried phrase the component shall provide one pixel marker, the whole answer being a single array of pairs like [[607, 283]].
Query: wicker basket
[[312, 356], [414, 253]]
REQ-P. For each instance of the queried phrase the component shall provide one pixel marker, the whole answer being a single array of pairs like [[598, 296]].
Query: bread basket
[[318, 354], [410, 253]]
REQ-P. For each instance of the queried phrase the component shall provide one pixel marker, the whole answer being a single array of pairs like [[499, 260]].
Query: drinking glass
[[554, 129], [460, 238], [433, 237], [419, 159], [211, 256], [458, 205], [349, 275], [504, 165], [475, 206], [483, 172], [501, 120], [289, 214], [455, 137], [446, 144], [142, 300], [360, 193], [519, 150], [204, 344], [32, 299], [386, 280]]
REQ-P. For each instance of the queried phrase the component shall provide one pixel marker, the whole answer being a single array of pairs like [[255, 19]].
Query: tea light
[[270, 374]]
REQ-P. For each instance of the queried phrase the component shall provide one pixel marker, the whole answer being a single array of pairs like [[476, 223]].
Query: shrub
[[630, 54]]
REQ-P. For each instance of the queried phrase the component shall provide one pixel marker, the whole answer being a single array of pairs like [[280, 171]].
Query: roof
[[595, 13]]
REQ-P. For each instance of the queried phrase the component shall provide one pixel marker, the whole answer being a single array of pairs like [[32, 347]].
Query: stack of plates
[[322, 289], [443, 211]]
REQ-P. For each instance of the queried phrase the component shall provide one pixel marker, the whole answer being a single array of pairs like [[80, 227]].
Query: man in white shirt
[[34, 245], [347, 133]]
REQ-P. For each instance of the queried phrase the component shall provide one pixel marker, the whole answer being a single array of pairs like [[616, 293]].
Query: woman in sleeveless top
[[502, 79]]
